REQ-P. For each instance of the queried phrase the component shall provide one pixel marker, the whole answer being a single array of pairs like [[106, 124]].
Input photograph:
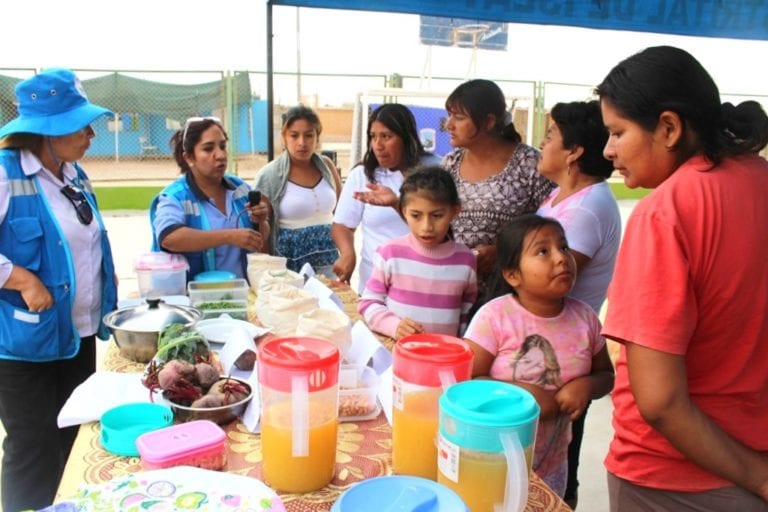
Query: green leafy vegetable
[[219, 305], [179, 342]]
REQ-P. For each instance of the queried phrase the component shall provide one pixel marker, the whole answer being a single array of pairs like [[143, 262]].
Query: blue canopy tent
[[735, 19]]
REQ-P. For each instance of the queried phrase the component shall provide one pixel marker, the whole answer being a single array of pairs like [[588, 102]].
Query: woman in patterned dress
[[495, 173]]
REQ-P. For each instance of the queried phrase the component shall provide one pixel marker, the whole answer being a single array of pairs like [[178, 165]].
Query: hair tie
[[732, 136], [507, 118]]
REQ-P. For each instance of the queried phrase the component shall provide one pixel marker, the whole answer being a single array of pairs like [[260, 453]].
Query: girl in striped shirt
[[423, 281]]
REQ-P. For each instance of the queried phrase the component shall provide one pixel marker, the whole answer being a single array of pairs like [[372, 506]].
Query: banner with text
[[740, 19]]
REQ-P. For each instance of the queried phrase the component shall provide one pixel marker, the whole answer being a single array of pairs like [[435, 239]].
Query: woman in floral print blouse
[[495, 173]]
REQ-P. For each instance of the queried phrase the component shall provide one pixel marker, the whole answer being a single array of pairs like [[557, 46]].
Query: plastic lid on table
[[400, 493], [160, 261], [214, 276]]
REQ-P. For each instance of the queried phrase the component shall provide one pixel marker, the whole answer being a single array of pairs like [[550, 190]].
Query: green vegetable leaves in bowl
[[179, 342]]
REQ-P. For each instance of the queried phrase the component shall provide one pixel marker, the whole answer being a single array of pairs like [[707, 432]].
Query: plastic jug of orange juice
[[423, 365], [298, 379], [485, 446]]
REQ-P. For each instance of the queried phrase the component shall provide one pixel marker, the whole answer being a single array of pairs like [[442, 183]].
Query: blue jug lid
[[473, 413], [399, 493]]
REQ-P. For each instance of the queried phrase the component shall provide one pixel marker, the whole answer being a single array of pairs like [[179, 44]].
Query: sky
[[194, 35]]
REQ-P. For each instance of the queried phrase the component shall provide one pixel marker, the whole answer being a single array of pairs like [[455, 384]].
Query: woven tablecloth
[[364, 450]]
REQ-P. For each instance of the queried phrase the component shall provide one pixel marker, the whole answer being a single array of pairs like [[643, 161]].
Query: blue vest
[[182, 190], [31, 238]]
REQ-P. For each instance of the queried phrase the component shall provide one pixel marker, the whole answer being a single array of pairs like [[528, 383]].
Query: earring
[[569, 169]]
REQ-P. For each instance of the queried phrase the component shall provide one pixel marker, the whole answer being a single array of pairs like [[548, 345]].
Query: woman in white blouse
[[394, 149], [302, 188]]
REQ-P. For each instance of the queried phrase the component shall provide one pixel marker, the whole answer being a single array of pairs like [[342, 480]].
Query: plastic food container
[[121, 425], [200, 443], [215, 291], [161, 273], [237, 309], [358, 385]]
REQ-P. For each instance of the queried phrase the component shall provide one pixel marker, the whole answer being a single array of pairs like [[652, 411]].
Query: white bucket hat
[[52, 103]]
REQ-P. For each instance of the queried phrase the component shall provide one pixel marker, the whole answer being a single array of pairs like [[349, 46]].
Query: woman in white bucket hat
[[57, 280]]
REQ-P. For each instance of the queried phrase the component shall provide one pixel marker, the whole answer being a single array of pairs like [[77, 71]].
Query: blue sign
[[713, 18], [464, 33]]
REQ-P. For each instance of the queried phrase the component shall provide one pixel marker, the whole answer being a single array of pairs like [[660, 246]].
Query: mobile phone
[[254, 198]]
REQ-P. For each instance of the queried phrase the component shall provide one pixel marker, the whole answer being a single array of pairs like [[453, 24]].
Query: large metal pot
[[137, 328]]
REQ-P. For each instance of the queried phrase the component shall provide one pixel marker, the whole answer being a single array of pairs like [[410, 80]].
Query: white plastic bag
[[276, 275], [279, 305], [258, 263], [328, 324]]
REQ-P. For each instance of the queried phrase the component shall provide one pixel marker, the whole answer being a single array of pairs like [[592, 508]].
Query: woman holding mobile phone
[[302, 188], [206, 214]]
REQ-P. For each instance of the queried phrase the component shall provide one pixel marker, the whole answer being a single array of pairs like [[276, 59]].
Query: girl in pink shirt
[[530, 333]]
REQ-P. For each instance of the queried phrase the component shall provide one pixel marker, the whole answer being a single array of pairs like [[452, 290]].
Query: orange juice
[[414, 432], [482, 478], [287, 473]]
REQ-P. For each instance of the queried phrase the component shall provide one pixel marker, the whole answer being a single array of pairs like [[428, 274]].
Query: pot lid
[[151, 316]]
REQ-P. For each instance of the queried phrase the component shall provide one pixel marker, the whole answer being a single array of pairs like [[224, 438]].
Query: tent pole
[[298, 57], [270, 88]]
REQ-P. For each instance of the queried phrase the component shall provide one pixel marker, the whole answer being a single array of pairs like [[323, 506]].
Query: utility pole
[[298, 56]]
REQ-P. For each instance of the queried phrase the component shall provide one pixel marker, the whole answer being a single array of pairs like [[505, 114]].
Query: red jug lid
[[420, 358], [282, 359]]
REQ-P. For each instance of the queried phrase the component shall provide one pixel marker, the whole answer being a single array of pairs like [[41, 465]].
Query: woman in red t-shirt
[[690, 291]]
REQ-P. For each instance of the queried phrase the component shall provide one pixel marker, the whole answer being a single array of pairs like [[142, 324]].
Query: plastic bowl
[[221, 415], [121, 425]]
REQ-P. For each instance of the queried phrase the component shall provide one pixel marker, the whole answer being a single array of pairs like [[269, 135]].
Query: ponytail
[[745, 128]]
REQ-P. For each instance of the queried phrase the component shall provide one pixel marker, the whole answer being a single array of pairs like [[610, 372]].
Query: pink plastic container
[[199, 443]]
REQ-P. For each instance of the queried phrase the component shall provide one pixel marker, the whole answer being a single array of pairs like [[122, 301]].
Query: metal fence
[[152, 105]]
